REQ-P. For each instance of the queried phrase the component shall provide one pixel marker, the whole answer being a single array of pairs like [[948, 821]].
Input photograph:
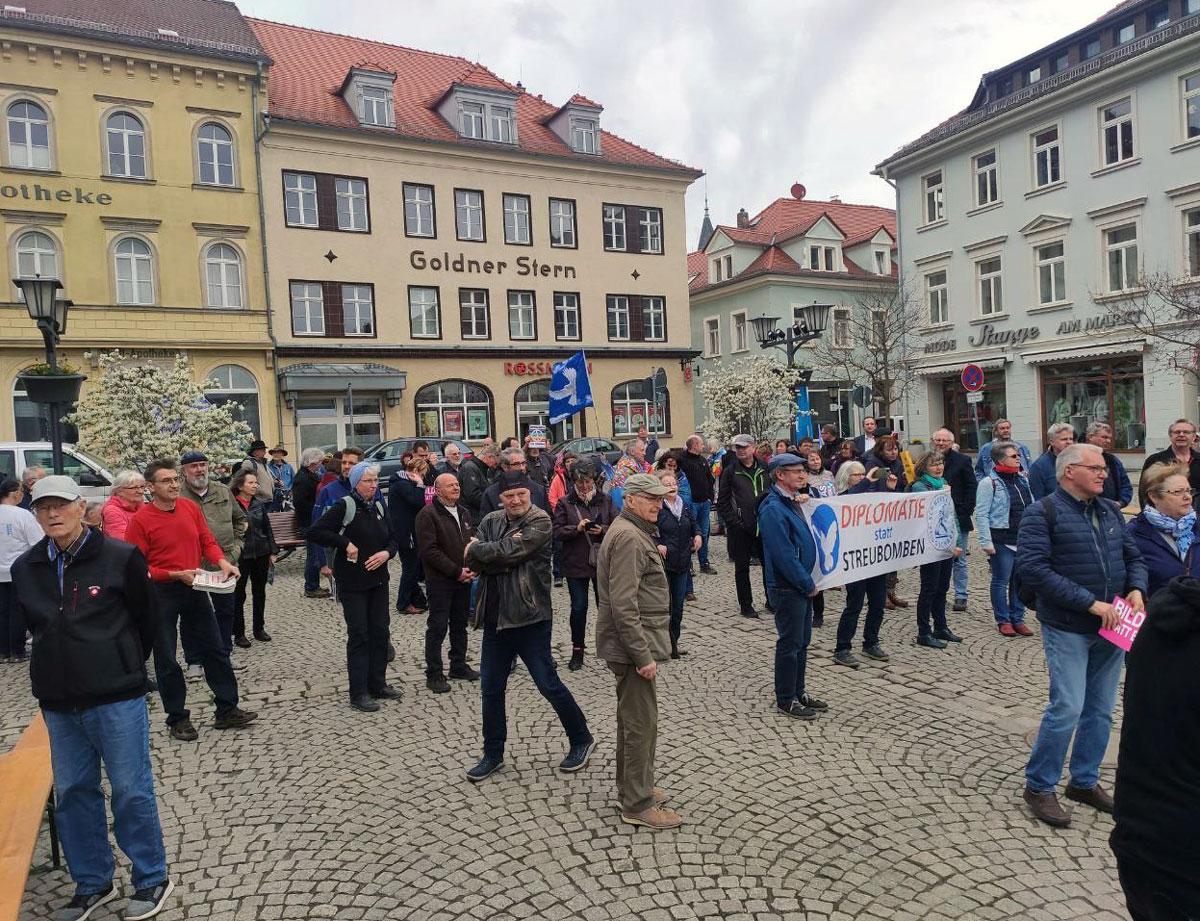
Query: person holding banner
[[935, 577], [886, 454], [1000, 500]]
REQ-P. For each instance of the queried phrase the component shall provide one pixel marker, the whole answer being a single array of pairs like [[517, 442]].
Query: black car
[[387, 454], [585, 446]]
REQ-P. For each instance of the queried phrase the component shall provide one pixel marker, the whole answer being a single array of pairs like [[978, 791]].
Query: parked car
[[587, 446], [387, 454], [94, 480]]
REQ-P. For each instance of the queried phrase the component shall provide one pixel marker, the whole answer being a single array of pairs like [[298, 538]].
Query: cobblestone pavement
[[903, 802]]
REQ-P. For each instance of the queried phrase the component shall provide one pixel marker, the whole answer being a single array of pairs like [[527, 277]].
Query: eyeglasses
[[1095, 468], [1187, 432], [1012, 456], [1185, 491], [166, 480]]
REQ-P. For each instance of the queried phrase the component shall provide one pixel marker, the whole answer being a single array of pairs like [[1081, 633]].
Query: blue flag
[[570, 389], [804, 422]]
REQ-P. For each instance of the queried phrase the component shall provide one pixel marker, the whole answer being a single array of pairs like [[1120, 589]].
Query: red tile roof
[[310, 65], [787, 217], [581, 100], [697, 268], [774, 260]]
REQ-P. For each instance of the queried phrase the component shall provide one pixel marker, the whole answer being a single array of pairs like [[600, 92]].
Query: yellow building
[[127, 169], [439, 238]]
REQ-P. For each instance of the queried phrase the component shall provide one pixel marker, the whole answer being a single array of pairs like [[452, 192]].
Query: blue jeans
[[793, 622], [960, 565], [314, 559], [1006, 606], [532, 644], [1084, 671], [874, 591], [702, 512], [677, 582], [118, 735]]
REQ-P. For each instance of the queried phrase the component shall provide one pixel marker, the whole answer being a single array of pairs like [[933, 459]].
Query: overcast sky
[[757, 94]]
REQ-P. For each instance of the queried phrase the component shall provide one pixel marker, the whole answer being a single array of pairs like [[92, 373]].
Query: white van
[[95, 482]]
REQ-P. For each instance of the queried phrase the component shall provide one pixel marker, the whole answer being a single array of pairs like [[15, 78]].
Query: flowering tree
[[751, 396], [139, 412]]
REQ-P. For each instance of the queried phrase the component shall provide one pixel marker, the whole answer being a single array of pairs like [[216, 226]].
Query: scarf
[[1008, 468], [675, 506], [936, 482], [1182, 529]]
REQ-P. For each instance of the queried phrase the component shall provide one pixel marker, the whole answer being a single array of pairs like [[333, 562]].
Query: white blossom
[[752, 396]]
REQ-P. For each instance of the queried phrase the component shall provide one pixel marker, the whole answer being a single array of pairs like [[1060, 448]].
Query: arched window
[[33, 419], [134, 265], [533, 408], [223, 276], [234, 384], [454, 409], [36, 255], [632, 408], [28, 136], [126, 139], [214, 153]]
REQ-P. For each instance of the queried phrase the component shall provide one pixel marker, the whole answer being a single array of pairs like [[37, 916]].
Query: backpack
[[351, 507], [1025, 591]]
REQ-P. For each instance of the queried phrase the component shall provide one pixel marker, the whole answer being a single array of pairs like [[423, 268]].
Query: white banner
[[869, 534]]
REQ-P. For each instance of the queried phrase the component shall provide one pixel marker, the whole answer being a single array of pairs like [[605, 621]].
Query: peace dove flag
[[570, 389]]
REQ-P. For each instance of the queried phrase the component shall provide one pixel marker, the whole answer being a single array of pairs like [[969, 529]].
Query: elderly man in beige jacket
[[631, 636]]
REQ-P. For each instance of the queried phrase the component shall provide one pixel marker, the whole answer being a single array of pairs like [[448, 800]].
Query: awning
[[307, 378], [1083, 353], [945, 370]]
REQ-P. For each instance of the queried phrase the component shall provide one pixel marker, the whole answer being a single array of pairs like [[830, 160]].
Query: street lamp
[[814, 320], [49, 311]]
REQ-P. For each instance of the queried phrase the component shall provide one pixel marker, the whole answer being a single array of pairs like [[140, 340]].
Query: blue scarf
[[1182, 529]]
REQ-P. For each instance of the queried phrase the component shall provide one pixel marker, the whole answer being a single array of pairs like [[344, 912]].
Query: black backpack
[[1025, 591]]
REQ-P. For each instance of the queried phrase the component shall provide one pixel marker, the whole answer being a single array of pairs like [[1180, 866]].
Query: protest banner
[[1127, 629], [537, 437], [869, 534]]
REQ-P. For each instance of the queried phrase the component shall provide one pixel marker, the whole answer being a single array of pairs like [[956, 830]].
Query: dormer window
[[503, 127], [368, 92], [822, 258], [577, 125], [481, 113], [376, 104], [471, 120], [583, 135]]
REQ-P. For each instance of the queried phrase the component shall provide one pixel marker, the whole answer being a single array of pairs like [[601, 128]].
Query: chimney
[[743, 219]]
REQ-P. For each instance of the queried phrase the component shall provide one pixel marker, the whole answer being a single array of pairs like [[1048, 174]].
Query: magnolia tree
[[751, 396], [138, 412]]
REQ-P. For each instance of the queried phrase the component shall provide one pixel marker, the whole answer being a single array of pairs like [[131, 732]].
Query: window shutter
[[331, 294], [327, 206], [637, 320], [633, 231]]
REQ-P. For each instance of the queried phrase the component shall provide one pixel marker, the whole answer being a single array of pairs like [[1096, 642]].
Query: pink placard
[[1127, 629]]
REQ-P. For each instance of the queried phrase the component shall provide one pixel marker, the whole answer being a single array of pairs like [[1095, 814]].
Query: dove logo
[[939, 522], [828, 534]]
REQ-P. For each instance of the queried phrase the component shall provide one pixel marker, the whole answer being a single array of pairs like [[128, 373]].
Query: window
[[470, 120], [585, 135], [654, 319], [882, 262], [376, 106], [1191, 105], [134, 271], [358, 310], [1158, 17], [822, 258], [516, 220], [1061, 62], [522, 315], [842, 333], [987, 188], [1047, 157], [562, 223], [1052, 273], [614, 227], [991, 300], [1116, 132], [308, 309], [633, 407], [1089, 49], [126, 146], [566, 315], [1033, 75], [327, 422], [729, 266], [300, 199], [936, 296], [651, 224], [1106, 390], [501, 123], [740, 343], [423, 319], [934, 204], [473, 313], [618, 317], [223, 276], [36, 255], [716, 270], [454, 409], [28, 136], [351, 195], [468, 214], [712, 337], [1123, 33], [234, 386], [1191, 240], [214, 154], [1121, 257], [418, 211]]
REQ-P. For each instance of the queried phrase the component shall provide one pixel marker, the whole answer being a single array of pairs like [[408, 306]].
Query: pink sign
[[1127, 629]]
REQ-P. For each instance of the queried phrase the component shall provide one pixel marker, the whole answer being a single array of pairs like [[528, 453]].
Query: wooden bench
[[287, 532], [26, 792]]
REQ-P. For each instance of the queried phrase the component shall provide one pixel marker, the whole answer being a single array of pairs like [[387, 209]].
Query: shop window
[[632, 408], [28, 135], [1106, 390], [233, 384], [957, 413], [532, 406], [454, 409]]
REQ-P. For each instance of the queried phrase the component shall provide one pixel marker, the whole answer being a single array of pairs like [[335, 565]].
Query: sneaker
[[146, 903], [655, 817], [236, 664], [1022, 630], [948, 635], [576, 662], [813, 703], [241, 642], [464, 673], [960, 604], [1046, 807], [1007, 629], [690, 596], [235, 719], [484, 769], [194, 672], [933, 642], [184, 731], [82, 906], [316, 593], [577, 757], [847, 658], [708, 570], [387, 692], [438, 684], [364, 703], [876, 652], [797, 711]]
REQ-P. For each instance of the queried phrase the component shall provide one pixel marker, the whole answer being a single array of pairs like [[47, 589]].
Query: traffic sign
[[862, 396], [975, 396], [972, 378]]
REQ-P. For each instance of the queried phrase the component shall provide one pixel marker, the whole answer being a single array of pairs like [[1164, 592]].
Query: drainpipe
[[900, 280], [262, 238]]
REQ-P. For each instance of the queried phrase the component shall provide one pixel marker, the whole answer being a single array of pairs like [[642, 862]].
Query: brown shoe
[[412, 609], [654, 817], [897, 602], [1045, 806], [1095, 797], [1022, 630], [660, 796]]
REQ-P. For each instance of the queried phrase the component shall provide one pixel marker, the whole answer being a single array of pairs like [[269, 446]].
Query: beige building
[[439, 238]]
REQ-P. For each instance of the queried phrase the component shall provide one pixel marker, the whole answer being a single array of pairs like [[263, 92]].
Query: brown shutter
[[637, 320], [633, 229], [327, 206], [331, 294]]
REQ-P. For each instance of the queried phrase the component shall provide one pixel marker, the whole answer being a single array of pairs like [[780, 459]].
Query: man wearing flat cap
[[789, 553], [743, 480], [632, 636]]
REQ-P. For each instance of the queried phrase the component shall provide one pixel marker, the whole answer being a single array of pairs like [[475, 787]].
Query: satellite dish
[[798, 192]]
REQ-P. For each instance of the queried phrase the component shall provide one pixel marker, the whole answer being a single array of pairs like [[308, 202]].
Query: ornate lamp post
[[813, 323]]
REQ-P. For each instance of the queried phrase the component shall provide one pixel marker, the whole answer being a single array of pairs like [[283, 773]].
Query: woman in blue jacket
[[935, 577], [1167, 530], [678, 539], [1000, 500]]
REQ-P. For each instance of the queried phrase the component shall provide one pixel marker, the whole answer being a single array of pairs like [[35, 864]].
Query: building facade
[[127, 170], [1029, 222], [793, 253], [439, 238]]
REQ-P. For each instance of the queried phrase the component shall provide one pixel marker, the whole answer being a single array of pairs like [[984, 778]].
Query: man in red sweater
[[173, 535]]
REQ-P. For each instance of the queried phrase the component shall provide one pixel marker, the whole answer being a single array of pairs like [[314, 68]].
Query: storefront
[[1104, 388], [960, 416]]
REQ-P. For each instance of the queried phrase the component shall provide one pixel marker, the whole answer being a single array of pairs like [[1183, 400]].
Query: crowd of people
[[167, 560]]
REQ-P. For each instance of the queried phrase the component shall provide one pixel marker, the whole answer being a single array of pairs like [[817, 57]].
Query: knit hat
[[513, 479], [357, 471]]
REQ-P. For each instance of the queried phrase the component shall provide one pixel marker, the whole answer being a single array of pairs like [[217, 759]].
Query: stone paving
[[902, 802]]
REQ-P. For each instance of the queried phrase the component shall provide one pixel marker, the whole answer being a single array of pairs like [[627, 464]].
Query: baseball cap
[[645, 484], [742, 441], [57, 487], [785, 460]]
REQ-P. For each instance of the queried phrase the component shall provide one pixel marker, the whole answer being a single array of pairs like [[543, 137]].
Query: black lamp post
[[49, 311], [812, 324]]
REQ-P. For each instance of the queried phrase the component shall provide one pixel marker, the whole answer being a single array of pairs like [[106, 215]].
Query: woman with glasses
[[1167, 530], [1000, 500], [678, 539], [128, 495]]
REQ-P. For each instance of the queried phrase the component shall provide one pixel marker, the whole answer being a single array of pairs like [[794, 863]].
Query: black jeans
[[367, 621], [677, 583], [793, 623], [1154, 894], [742, 545], [448, 602], [410, 577], [12, 624], [255, 570], [818, 605], [532, 644], [577, 587], [935, 583], [874, 591], [187, 613]]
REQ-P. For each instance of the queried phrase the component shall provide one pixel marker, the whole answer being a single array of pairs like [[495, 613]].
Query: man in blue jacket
[[1116, 485], [1076, 565], [1043, 479], [789, 553]]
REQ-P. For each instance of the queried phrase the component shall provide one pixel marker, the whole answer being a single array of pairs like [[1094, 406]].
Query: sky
[[759, 95]]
